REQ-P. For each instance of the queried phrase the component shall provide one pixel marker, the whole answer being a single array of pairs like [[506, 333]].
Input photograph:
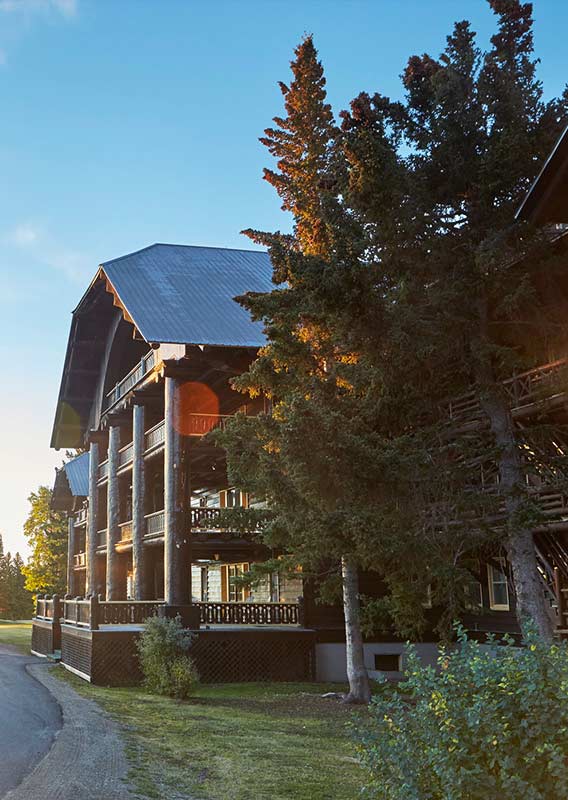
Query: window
[[233, 498], [473, 592], [236, 593], [387, 662], [498, 586]]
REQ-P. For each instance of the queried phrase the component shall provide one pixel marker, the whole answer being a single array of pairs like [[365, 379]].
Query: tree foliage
[[46, 533], [490, 721], [15, 600]]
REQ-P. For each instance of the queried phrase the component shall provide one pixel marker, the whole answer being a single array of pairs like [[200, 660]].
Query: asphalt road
[[29, 719]]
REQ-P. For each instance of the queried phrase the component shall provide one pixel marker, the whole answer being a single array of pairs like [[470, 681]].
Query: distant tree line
[[16, 602]]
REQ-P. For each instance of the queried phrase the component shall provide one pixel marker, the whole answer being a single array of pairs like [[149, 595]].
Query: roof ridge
[[192, 246]]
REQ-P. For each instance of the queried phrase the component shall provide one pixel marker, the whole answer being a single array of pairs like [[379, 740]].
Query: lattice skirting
[[109, 658], [242, 656], [43, 640]]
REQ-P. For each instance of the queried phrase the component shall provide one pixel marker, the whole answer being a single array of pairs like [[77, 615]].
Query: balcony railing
[[136, 374], [536, 385], [249, 613], [155, 437], [125, 531], [80, 560], [155, 523], [103, 470], [81, 517], [102, 538], [125, 455], [205, 518]]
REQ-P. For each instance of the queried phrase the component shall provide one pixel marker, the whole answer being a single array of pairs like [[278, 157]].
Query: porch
[[238, 642]]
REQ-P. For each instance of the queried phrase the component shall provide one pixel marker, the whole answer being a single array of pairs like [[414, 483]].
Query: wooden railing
[[45, 607], [77, 612], [81, 516], [205, 518], [155, 437], [79, 560], [249, 613], [155, 523], [125, 455], [125, 531], [127, 612], [103, 470], [102, 538], [92, 612], [130, 380], [536, 385]]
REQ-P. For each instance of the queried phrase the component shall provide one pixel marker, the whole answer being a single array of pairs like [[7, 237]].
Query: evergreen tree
[[46, 533], [476, 129], [322, 459]]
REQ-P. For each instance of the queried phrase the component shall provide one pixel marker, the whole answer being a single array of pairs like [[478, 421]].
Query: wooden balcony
[[132, 379], [81, 517], [538, 387]]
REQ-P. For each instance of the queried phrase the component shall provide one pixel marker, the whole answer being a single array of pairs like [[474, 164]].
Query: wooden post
[[70, 554], [113, 511], [559, 599], [177, 522], [138, 494], [94, 612], [92, 510], [172, 499], [56, 623]]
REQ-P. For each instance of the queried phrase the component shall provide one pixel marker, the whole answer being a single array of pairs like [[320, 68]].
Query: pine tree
[[46, 533], [476, 128]]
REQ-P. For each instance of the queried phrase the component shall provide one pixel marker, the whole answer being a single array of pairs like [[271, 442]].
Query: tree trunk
[[359, 688], [527, 582]]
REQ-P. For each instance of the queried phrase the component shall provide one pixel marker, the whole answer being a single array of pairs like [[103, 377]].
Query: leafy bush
[[162, 651], [491, 722]]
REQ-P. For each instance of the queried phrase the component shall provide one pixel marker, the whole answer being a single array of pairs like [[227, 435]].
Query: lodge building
[[154, 343]]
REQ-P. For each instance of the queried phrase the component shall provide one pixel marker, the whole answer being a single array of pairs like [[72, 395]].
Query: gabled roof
[[547, 199], [185, 295], [77, 473], [71, 482], [172, 294]]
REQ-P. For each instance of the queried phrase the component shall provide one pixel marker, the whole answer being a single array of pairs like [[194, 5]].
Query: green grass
[[235, 742], [18, 634]]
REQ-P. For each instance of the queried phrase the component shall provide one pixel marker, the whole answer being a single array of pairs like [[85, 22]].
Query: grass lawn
[[235, 742], [18, 634]]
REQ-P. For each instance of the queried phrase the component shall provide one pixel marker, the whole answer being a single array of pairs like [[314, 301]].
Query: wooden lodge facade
[[154, 343]]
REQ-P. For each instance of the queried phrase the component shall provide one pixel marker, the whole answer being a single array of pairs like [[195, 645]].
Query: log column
[[138, 494], [91, 543], [70, 554], [113, 515], [177, 551], [172, 494]]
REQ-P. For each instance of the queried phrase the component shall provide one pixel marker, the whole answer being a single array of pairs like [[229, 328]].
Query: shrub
[[491, 722], [162, 651]]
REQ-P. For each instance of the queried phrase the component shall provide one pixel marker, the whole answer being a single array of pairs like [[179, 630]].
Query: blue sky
[[126, 122]]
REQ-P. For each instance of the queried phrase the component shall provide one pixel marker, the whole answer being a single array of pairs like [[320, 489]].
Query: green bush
[[491, 722], [162, 652]]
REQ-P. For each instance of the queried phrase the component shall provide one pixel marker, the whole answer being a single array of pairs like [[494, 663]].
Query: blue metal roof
[[77, 472], [182, 294]]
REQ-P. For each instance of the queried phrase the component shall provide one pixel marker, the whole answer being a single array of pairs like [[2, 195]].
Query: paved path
[[29, 719], [86, 761], [54, 744]]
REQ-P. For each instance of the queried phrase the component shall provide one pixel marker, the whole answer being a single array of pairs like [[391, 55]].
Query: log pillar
[[138, 495], [70, 554], [113, 516], [177, 551], [92, 510]]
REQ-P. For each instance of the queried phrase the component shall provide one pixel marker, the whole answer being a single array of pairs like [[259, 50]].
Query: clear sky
[[127, 122]]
